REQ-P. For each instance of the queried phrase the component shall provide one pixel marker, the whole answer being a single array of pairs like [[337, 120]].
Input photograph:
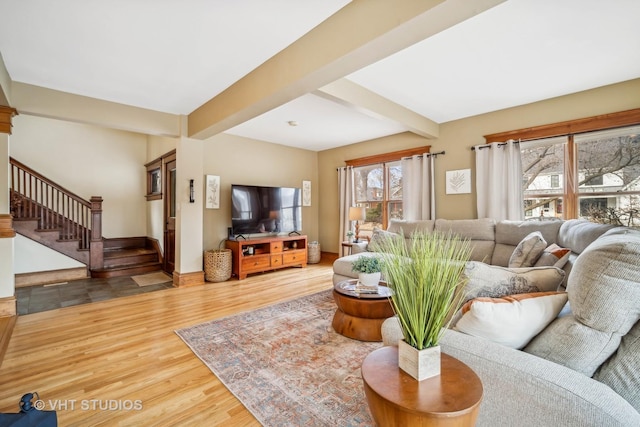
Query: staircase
[[128, 257], [54, 217]]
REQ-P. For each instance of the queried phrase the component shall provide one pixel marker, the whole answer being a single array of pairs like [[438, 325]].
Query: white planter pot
[[370, 280], [420, 364]]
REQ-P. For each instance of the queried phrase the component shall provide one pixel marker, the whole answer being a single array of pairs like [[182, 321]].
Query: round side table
[[360, 316], [396, 399]]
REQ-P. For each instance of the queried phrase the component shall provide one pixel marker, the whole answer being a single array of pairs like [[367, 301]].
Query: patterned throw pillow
[[554, 256], [378, 239], [492, 281], [512, 320], [528, 251]]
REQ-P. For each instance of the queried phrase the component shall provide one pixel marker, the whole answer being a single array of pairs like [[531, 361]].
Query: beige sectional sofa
[[583, 368]]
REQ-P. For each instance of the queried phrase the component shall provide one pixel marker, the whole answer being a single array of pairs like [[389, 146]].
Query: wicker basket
[[314, 253], [217, 265]]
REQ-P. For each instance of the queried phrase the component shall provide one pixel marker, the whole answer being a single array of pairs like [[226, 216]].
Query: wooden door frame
[[168, 264]]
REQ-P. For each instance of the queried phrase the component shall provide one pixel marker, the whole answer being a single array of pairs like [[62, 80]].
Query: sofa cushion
[[604, 291], [510, 233], [480, 232], [491, 281], [553, 255], [512, 320], [528, 250], [622, 371], [406, 227], [577, 234]]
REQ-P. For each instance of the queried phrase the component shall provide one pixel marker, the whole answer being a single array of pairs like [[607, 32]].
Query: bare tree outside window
[[379, 189], [606, 176]]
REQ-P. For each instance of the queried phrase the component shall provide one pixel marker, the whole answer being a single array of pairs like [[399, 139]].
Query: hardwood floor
[[124, 353]]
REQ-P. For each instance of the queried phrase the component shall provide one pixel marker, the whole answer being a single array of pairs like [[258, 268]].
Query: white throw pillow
[[528, 250], [513, 320]]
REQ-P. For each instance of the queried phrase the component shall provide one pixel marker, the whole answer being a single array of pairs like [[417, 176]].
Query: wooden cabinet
[[269, 253]]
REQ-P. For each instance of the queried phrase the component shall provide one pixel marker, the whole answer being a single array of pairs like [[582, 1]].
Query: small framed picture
[[212, 192], [458, 181], [306, 193]]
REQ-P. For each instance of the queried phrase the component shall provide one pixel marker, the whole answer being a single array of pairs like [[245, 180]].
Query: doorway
[[169, 214]]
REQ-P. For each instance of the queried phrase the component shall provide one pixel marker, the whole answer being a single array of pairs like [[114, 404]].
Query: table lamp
[[357, 214]]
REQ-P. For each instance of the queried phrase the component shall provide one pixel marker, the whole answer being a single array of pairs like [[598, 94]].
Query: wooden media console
[[269, 253]]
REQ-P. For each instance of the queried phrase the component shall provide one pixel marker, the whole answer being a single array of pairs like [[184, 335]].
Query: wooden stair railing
[[34, 196]]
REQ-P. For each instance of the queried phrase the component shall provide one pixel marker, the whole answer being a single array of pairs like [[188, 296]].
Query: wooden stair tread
[[127, 252]]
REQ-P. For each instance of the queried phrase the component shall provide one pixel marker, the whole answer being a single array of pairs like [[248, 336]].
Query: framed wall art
[[458, 181], [212, 192], [306, 193]]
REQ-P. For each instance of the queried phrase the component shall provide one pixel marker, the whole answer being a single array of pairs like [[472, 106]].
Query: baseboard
[[183, 280], [46, 277]]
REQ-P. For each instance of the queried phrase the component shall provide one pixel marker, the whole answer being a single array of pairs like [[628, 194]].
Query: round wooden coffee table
[[360, 315], [397, 399]]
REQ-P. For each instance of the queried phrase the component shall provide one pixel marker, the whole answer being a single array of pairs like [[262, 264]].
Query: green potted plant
[[369, 269], [350, 236], [426, 276]]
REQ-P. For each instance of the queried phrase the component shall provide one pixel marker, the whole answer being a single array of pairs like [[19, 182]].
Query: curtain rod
[[493, 143], [427, 154], [419, 155]]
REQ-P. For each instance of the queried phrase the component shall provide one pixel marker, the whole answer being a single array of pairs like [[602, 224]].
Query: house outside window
[[379, 189], [603, 182]]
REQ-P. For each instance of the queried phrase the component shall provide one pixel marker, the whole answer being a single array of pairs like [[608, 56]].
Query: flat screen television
[[259, 210]]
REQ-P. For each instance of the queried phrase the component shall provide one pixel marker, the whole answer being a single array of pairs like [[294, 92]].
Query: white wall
[[32, 256], [89, 161]]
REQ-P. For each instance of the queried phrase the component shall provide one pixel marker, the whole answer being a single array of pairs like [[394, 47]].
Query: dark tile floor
[[34, 299]]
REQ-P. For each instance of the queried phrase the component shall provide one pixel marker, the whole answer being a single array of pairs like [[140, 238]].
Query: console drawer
[[294, 257], [255, 262], [276, 260]]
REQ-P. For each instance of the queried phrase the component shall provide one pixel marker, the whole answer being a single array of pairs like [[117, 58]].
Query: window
[[542, 168], [378, 187], [154, 180], [591, 172]]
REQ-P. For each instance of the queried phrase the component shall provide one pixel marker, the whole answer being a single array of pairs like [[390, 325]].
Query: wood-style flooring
[[123, 354]]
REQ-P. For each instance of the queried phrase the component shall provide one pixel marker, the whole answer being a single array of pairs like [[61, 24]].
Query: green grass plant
[[426, 275]]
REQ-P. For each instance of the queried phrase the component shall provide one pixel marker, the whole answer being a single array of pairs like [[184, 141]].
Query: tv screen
[[257, 209]]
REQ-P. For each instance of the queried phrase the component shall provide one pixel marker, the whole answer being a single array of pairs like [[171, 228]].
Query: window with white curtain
[[378, 188]]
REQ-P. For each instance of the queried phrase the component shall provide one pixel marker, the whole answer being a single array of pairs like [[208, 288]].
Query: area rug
[[286, 364], [154, 278]]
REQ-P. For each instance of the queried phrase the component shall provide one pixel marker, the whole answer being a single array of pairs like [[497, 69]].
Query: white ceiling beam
[[43, 102], [351, 95], [360, 34], [5, 84]]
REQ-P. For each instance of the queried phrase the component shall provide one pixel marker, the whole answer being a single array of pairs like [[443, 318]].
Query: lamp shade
[[357, 214]]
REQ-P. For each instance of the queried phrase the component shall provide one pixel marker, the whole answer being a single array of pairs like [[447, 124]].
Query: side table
[[360, 316], [346, 246], [396, 399]]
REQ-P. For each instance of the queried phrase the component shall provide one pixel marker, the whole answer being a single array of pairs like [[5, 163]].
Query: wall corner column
[[7, 233]]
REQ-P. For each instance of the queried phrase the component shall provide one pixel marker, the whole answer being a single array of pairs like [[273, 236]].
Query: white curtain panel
[[499, 181], [346, 193], [418, 190]]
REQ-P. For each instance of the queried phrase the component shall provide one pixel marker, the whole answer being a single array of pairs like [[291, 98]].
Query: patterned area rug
[[286, 364]]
